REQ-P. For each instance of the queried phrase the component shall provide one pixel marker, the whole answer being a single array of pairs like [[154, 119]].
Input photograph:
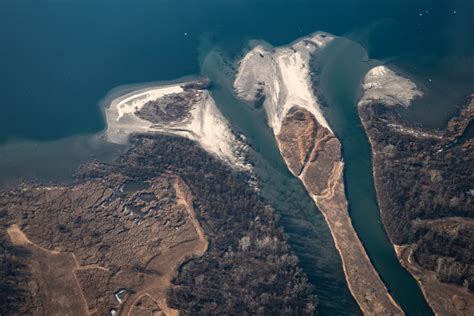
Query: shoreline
[[201, 121], [442, 298], [293, 92], [418, 273], [30, 160], [52, 161], [397, 248], [250, 86]]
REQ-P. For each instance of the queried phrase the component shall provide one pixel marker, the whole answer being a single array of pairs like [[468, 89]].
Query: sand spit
[[443, 298], [280, 78], [204, 122], [383, 84]]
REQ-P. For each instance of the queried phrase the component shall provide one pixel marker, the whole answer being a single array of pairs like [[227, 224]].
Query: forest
[[248, 268], [424, 188]]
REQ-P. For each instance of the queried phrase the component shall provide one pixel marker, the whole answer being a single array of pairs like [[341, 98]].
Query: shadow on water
[[308, 233], [339, 71]]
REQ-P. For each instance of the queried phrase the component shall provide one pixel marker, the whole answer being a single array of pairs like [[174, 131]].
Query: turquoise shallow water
[[58, 58]]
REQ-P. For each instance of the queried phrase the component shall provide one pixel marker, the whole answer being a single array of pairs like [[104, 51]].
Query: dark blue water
[[58, 58], [308, 233]]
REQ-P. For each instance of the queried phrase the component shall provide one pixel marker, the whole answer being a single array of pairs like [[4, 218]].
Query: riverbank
[[443, 298], [422, 168], [280, 79]]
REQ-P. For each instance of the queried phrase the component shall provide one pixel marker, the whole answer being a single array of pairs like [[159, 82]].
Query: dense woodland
[[170, 108], [248, 268], [423, 186], [13, 271]]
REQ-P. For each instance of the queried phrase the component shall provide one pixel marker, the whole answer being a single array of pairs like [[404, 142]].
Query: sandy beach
[[381, 83], [384, 85], [206, 124], [281, 78]]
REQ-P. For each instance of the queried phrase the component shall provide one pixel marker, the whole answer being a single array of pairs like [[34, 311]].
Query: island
[[174, 225], [280, 80], [423, 178]]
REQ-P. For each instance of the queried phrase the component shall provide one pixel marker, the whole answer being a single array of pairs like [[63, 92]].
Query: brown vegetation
[[169, 109], [129, 224], [424, 187], [88, 241], [313, 153]]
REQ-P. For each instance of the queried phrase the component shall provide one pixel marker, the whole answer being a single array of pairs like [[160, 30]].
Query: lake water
[[59, 58]]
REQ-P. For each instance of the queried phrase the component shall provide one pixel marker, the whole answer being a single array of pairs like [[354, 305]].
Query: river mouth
[[339, 71], [305, 226], [85, 57]]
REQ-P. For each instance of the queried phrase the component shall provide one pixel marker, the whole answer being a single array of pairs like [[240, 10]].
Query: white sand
[[283, 76], [133, 102], [383, 84], [207, 125]]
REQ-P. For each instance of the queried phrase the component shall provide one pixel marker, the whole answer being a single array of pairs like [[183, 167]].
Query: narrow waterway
[[339, 71], [308, 233]]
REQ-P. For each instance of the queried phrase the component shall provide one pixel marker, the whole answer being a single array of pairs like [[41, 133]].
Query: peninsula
[[184, 109], [171, 226], [423, 179], [279, 78]]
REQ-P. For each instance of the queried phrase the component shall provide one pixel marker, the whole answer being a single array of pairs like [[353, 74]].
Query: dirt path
[[53, 272], [184, 198], [156, 288]]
